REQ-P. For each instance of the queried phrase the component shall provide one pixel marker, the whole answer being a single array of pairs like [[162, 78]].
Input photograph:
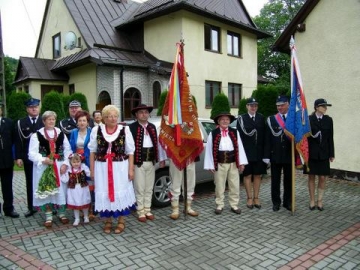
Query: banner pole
[[185, 194], [292, 177]]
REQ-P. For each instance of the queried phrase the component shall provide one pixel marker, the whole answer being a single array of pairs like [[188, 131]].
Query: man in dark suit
[[7, 164], [68, 124], [251, 126], [25, 127], [278, 152]]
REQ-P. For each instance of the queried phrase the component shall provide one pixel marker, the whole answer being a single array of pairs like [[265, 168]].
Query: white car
[[162, 178]]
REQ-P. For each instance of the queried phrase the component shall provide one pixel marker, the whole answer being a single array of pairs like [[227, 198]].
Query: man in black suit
[[68, 124], [278, 152], [25, 127], [7, 164], [251, 126]]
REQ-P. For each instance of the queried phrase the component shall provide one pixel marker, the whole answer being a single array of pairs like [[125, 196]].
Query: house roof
[[37, 69], [232, 12], [105, 55], [282, 43]]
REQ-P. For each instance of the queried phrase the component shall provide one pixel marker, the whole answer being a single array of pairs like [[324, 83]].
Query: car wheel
[[161, 188]]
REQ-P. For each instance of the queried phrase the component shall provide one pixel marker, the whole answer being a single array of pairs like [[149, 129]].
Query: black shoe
[[288, 207], [276, 207], [312, 208], [218, 211], [236, 211], [30, 213], [12, 214], [258, 206], [320, 208]]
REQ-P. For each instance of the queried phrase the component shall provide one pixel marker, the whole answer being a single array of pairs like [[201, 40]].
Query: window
[[47, 88], [212, 38], [233, 44], [156, 94], [56, 46], [26, 89], [234, 94], [132, 99], [212, 89], [71, 89]]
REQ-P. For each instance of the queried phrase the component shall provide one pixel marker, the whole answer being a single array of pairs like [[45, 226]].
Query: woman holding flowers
[[112, 168], [47, 149]]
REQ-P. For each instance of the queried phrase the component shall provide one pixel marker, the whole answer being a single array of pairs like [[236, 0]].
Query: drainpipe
[[122, 93]]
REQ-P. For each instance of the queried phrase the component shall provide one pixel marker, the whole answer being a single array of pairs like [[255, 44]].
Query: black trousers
[[28, 169], [6, 176], [276, 169]]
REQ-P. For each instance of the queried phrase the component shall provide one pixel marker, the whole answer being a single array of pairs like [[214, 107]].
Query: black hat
[[280, 100], [32, 102], [142, 107], [74, 103], [321, 102], [251, 101], [232, 118]]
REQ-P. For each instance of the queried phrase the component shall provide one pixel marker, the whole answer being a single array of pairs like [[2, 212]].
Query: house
[[121, 51], [326, 34]]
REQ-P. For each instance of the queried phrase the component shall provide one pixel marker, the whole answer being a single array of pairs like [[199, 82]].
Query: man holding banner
[[278, 152], [180, 135]]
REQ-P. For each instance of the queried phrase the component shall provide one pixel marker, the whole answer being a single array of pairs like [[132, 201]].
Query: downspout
[[122, 93]]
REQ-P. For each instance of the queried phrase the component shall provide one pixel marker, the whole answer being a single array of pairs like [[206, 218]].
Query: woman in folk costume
[[78, 193], [225, 157], [321, 151], [112, 168], [47, 149], [79, 140]]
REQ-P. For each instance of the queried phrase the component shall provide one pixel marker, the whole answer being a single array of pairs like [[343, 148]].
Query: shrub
[[52, 101], [81, 98], [16, 105], [220, 104], [266, 97], [242, 106]]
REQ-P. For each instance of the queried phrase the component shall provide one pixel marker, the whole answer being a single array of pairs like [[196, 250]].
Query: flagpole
[[292, 177]]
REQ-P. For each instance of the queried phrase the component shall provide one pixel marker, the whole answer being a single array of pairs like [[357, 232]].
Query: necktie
[[145, 130], [284, 117], [224, 132], [33, 121], [319, 119], [253, 118]]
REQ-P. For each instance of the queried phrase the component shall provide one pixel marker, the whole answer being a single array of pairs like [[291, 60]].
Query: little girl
[[78, 193]]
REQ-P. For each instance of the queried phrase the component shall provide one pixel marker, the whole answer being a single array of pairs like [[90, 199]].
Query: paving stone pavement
[[256, 239]]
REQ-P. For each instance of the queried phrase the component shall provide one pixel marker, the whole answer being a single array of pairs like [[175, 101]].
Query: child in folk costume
[[78, 193], [225, 157]]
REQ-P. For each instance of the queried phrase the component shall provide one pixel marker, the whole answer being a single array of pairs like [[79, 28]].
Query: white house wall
[[329, 58], [58, 20], [161, 35]]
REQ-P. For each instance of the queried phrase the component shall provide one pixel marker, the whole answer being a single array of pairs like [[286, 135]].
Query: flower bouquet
[[47, 184]]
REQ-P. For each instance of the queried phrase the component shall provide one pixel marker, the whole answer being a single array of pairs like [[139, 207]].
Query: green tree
[[162, 100], [266, 97], [16, 105], [52, 101], [242, 106], [219, 105], [81, 98], [273, 18], [10, 65]]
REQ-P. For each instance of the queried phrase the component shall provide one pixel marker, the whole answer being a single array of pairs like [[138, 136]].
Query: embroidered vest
[[77, 178], [138, 134], [44, 146], [216, 136], [117, 147]]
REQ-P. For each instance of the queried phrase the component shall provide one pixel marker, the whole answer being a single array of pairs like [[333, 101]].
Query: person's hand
[[162, 164], [213, 171], [63, 169], [131, 175], [19, 163], [241, 168], [47, 161], [266, 160], [331, 159]]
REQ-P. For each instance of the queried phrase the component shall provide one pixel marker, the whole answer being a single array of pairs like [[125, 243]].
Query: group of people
[[100, 166]]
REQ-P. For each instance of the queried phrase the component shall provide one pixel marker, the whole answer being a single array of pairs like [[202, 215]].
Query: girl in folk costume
[[112, 168], [78, 193], [47, 149], [225, 157]]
